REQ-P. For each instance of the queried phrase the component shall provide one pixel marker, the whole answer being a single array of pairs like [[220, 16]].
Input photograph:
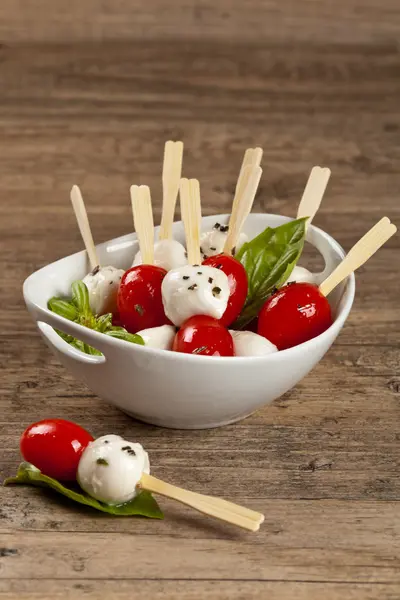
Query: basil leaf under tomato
[[269, 260], [142, 505]]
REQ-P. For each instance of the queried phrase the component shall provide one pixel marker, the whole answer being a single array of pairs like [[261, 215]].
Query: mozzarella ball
[[301, 275], [110, 469], [213, 242], [103, 284], [247, 343], [168, 254], [194, 290], [158, 337]]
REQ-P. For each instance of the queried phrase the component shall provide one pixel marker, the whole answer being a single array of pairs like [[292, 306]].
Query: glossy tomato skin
[[55, 447], [295, 314], [139, 298], [205, 336], [238, 284]]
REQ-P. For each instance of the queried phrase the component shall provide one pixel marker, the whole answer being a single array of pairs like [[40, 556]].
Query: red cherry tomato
[[139, 298], [116, 320], [55, 447], [295, 314], [238, 285], [203, 335]]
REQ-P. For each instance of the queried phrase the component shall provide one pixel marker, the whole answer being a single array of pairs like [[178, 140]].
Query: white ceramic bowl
[[168, 388]]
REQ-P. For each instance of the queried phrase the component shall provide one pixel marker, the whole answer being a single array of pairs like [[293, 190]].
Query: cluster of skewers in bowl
[[201, 299]]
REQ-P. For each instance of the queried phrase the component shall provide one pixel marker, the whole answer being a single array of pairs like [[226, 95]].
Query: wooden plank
[[344, 21], [192, 590], [77, 556]]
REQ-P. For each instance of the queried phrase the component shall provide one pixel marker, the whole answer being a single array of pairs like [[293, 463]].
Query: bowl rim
[[347, 299]]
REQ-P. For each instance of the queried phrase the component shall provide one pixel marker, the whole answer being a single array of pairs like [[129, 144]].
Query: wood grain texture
[[320, 21], [319, 85]]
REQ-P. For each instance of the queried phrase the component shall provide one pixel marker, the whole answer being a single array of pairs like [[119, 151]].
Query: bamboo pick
[[83, 224], [244, 202], [313, 193], [191, 217], [143, 221], [360, 253], [172, 171], [252, 156], [215, 507]]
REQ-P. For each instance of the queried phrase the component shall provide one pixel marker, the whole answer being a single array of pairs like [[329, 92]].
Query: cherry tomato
[[295, 314], [203, 335], [55, 447], [139, 298], [116, 320], [238, 285]]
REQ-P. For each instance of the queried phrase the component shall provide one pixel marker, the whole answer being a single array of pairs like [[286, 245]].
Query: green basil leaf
[[269, 260], [104, 323], [143, 504], [90, 350], [62, 308], [134, 338], [80, 298], [67, 338], [85, 348]]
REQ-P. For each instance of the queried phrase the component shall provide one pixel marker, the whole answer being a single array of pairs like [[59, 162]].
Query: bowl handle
[[47, 322], [331, 262]]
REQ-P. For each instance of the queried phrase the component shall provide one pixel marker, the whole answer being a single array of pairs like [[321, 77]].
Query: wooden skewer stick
[[191, 217], [244, 202], [172, 171], [83, 224], [251, 157], [143, 221], [313, 193], [360, 253], [215, 507]]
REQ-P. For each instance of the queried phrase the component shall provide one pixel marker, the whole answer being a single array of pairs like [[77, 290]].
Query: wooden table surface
[[90, 91]]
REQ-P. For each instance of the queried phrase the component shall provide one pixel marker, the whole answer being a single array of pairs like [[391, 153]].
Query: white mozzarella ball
[[158, 337], [213, 242], [194, 290], [110, 469], [247, 343], [103, 284], [168, 254], [301, 275]]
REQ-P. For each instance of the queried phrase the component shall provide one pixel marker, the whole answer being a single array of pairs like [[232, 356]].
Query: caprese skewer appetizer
[[140, 304], [299, 312], [113, 470], [102, 282]]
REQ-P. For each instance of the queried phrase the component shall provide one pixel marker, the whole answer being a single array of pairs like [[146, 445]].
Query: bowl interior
[[55, 279]]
